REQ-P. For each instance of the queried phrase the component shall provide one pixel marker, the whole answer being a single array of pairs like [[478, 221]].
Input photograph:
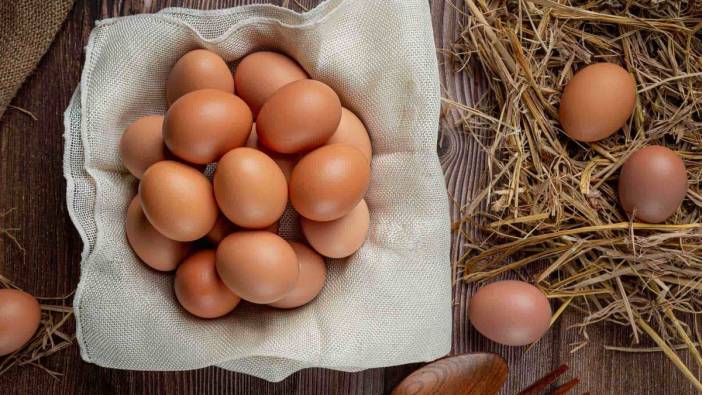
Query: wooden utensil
[[466, 374], [549, 379]]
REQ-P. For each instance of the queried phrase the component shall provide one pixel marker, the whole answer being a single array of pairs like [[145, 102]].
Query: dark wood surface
[[32, 184]]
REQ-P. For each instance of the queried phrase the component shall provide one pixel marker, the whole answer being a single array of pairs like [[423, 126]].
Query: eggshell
[[328, 183], [20, 315], [142, 144], [198, 69], [178, 201], [652, 183], [597, 101], [153, 248], [222, 228], [286, 162], [203, 125], [298, 117], [352, 132], [310, 281], [259, 266], [199, 289], [260, 74], [341, 237], [250, 188], [513, 313]]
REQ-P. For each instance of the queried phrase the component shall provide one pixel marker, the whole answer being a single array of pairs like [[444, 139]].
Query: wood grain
[[32, 185]]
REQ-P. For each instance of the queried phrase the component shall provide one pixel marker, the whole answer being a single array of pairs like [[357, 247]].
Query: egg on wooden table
[[178, 200], [198, 69], [203, 125], [260, 74], [652, 183], [142, 144], [20, 315], [250, 188], [597, 101], [341, 237], [259, 266], [199, 289], [329, 182], [300, 116], [310, 281], [154, 249], [513, 313]]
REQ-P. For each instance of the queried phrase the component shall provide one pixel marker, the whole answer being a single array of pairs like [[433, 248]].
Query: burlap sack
[[388, 304], [27, 28]]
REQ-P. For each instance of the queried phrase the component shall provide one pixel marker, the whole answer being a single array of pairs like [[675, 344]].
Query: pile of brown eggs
[[221, 235]]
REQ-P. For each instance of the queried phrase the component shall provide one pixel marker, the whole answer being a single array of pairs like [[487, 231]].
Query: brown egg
[[260, 74], [198, 69], [341, 237], [352, 132], [250, 188], [313, 275], [513, 313], [199, 289], [153, 248], [328, 183], [652, 183], [597, 101], [178, 200], [20, 315], [142, 144], [259, 266], [222, 228], [286, 162], [203, 125], [298, 117]]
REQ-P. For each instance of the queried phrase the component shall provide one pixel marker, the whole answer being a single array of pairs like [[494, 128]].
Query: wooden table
[[33, 184]]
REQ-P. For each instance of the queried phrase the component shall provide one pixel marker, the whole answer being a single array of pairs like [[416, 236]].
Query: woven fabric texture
[[388, 304], [27, 28]]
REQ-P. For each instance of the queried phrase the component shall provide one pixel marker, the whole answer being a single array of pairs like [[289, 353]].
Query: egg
[[310, 281], [298, 117], [221, 229], [20, 315], [597, 101], [260, 74], [341, 237], [178, 200], [199, 289], [329, 182], [203, 125], [513, 313], [286, 162], [142, 144], [198, 69], [652, 183], [250, 188], [352, 132], [153, 248], [259, 266]]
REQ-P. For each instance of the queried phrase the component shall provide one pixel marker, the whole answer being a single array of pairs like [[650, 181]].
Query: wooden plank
[[32, 184]]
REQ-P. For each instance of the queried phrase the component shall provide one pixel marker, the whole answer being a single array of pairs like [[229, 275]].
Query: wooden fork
[[550, 379]]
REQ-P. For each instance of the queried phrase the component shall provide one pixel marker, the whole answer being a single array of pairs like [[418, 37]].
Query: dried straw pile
[[549, 205]]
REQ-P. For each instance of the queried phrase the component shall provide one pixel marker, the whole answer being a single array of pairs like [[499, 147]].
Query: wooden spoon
[[466, 374]]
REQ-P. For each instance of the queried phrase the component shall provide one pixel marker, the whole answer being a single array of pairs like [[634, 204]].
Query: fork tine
[[564, 388], [545, 381]]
